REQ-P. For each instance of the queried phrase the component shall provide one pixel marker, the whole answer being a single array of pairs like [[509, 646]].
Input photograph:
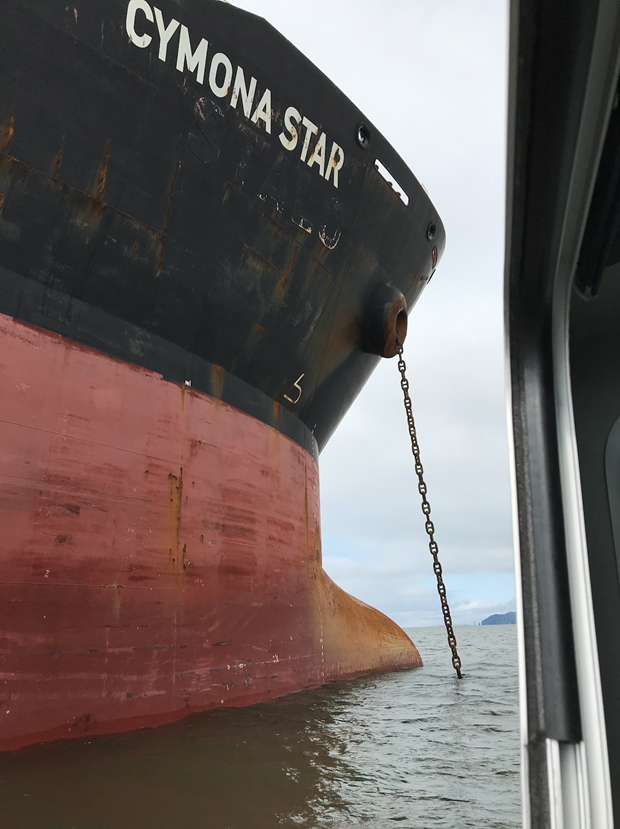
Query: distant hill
[[501, 619]]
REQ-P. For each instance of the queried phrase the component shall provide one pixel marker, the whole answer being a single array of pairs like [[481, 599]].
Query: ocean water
[[417, 749]]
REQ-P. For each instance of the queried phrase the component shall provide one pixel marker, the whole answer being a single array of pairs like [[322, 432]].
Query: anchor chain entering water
[[426, 509]]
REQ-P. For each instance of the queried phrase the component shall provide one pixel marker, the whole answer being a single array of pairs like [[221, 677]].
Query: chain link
[[426, 509]]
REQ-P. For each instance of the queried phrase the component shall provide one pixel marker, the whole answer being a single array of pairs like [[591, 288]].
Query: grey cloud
[[432, 76]]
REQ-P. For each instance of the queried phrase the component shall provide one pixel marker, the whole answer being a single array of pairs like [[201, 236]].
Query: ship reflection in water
[[411, 749]]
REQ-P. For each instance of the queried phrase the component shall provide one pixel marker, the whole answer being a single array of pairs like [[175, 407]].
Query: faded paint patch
[[330, 238], [117, 590], [195, 445]]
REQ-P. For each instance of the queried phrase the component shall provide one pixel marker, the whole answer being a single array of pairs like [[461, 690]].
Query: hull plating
[[160, 552]]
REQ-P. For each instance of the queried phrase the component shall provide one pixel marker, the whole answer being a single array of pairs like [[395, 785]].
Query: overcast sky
[[432, 76]]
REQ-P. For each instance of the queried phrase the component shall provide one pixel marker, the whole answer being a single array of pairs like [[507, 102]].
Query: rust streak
[[175, 493], [186, 561], [58, 164], [164, 232], [218, 374], [227, 190], [9, 162], [102, 175], [278, 232], [257, 259], [286, 276], [7, 135], [319, 266]]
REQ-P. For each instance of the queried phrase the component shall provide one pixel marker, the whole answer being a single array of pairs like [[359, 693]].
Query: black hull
[[144, 215]]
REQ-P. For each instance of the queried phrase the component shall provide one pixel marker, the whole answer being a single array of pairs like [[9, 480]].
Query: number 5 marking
[[298, 387]]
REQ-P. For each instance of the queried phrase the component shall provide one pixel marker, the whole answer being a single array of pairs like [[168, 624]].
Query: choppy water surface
[[416, 749]]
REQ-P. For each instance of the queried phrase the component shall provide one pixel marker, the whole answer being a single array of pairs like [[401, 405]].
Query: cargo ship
[[205, 250]]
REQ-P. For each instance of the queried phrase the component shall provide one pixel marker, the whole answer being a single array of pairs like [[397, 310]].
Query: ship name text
[[227, 81]]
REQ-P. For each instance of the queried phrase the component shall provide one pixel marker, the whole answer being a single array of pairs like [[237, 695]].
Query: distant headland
[[501, 619]]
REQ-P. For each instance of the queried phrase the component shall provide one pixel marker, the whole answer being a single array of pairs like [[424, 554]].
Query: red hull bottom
[[160, 553]]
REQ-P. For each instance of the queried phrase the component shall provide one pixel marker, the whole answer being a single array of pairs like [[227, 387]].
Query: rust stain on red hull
[[159, 592]]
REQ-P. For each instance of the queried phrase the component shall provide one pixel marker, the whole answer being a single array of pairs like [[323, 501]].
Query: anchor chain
[[426, 509]]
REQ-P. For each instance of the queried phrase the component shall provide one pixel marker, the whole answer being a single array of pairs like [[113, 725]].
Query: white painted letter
[[318, 155], [221, 90], [130, 25], [165, 32], [333, 164], [263, 111], [247, 95], [292, 117], [311, 129], [195, 61]]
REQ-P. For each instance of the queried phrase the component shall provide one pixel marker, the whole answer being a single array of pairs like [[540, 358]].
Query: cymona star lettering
[[191, 55]]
